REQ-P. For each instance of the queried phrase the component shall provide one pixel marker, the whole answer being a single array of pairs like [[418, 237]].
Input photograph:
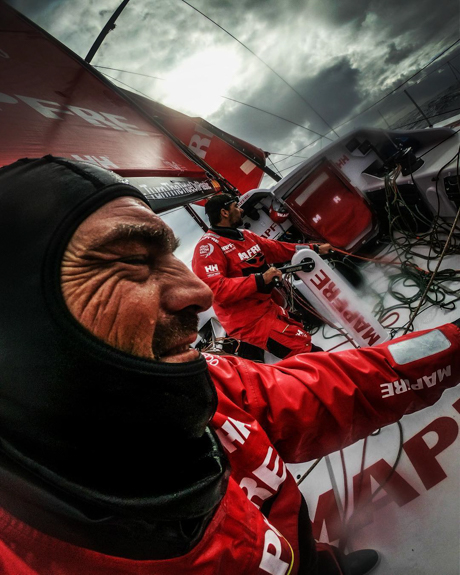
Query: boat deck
[[397, 491]]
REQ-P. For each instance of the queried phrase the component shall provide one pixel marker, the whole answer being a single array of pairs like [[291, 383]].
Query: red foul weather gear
[[231, 262], [268, 415]]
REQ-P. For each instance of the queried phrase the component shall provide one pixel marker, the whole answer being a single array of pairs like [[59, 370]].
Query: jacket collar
[[230, 233]]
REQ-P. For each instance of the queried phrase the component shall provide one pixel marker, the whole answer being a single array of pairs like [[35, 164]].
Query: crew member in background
[[237, 266]]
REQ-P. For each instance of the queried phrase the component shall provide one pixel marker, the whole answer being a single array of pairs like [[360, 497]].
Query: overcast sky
[[338, 56]]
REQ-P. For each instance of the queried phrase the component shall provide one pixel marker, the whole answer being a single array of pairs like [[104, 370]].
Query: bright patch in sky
[[196, 86]]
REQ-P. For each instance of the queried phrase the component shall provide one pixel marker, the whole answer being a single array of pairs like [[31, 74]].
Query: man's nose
[[189, 291]]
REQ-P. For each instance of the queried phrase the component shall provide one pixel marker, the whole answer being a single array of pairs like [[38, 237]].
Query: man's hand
[[324, 249], [270, 274]]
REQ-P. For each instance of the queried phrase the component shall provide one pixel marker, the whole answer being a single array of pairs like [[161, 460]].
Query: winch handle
[[304, 266]]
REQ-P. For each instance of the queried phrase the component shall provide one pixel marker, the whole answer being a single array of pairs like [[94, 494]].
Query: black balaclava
[[97, 447]]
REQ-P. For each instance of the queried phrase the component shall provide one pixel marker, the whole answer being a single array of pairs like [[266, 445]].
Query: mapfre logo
[[228, 248], [206, 250], [251, 252]]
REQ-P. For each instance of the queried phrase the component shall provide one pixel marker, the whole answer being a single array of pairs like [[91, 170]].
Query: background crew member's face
[[235, 215], [122, 282]]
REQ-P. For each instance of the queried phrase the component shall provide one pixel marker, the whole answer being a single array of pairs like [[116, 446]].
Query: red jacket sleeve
[[275, 251], [278, 252], [213, 271], [313, 404]]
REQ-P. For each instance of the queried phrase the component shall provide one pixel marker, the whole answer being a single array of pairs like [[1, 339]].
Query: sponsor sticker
[[206, 250]]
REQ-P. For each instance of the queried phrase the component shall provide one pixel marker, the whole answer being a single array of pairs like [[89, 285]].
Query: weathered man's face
[[122, 282]]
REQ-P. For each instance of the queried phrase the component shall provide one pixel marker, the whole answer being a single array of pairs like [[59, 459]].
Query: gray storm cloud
[[338, 55]]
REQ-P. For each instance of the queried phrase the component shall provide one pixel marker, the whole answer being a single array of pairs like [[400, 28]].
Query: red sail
[[236, 160], [52, 102]]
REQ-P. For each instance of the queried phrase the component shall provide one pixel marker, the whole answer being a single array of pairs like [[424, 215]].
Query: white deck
[[414, 519]]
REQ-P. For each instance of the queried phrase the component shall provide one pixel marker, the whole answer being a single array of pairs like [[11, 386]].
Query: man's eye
[[135, 260]]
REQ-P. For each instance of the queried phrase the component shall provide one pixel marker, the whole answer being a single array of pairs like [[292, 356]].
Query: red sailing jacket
[[228, 266], [299, 409]]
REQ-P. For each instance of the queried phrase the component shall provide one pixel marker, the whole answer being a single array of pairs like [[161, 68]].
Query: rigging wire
[[412, 124], [274, 165], [130, 72], [265, 64], [309, 470], [223, 97], [299, 150], [289, 167], [347, 525], [125, 84], [280, 117], [123, 4], [433, 275], [399, 86], [294, 154], [287, 156], [383, 98]]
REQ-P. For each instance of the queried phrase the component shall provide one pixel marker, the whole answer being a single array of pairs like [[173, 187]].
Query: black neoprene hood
[[68, 400]]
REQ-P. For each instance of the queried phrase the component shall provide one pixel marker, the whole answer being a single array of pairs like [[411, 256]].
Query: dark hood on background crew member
[[79, 419]]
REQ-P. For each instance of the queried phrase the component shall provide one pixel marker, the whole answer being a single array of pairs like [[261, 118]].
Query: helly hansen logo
[[211, 268], [403, 385], [251, 252]]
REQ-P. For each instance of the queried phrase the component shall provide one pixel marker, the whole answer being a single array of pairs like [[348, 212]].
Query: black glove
[[262, 287]]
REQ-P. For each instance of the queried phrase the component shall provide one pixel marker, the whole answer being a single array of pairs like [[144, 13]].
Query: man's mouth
[[179, 353], [173, 337]]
